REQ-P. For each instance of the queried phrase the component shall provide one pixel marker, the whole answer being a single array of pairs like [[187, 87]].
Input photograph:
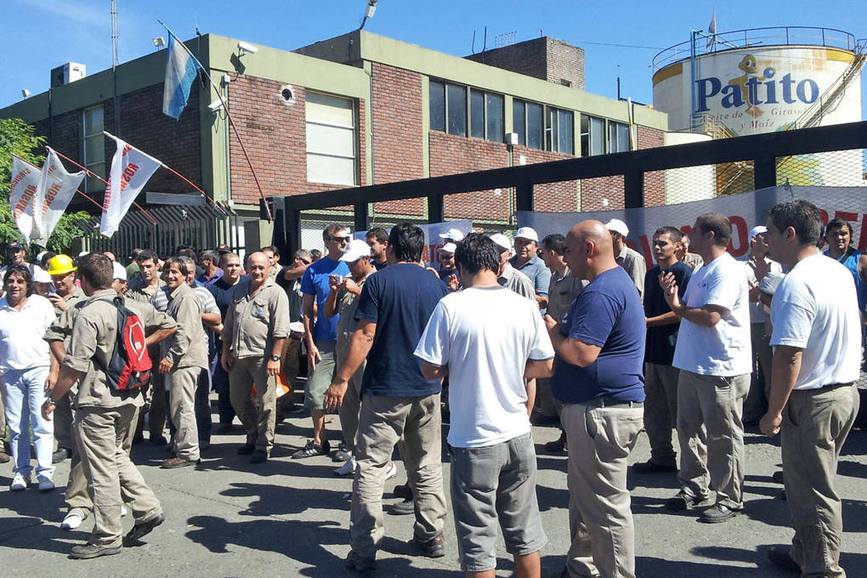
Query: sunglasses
[[305, 261], [340, 239]]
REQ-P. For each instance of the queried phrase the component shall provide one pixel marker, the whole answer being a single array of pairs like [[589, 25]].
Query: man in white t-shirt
[[714, 356], [813, 400], [487, 356]]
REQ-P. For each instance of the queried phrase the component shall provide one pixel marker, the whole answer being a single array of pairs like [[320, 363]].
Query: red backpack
[[130, 365]]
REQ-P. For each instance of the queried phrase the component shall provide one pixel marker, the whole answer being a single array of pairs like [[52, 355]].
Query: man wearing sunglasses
[[320, 333]]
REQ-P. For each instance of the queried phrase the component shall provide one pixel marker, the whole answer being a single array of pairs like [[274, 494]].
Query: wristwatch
[[276, 357]]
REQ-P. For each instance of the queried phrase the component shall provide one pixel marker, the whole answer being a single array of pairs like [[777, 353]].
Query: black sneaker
[[433, 548], [342, 454], [653, 467], [403, 508], [311, 449], [558, 446], [718, 513], [88, 551], [683, 501], [403, 491], [140, 530], [783, 559], [361, 565], [60, 455]]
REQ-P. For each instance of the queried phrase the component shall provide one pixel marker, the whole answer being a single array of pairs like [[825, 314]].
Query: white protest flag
[[56, 188], [22, 194], [130, 171]]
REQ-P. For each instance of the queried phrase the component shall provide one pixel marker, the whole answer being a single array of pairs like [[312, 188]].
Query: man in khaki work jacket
[[254, 334], [102, 415], [184, 357]]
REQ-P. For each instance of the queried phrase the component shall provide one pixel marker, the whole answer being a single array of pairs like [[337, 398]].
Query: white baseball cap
[[528, 233], [355, 251], [770, 282], [118, 271], [757, 230], [617, 226], [448, 248], [452, 234], [501, 241], [40, 275]]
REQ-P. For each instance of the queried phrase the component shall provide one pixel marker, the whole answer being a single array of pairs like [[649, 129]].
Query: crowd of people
[[575, 330]]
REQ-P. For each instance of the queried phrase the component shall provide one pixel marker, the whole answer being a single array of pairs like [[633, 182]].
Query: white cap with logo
[[449, 248], [501, 241], [528, 233], [118, 272], [617, 226], [355, 251], [452, 234]]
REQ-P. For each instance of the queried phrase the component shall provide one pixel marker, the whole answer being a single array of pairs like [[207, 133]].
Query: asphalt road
[[290, 518]]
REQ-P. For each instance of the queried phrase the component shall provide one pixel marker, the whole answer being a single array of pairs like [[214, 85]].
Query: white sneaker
[[123, 511], [73, 519], [391, 471], [19, 482], [45, 484], [348, 467]]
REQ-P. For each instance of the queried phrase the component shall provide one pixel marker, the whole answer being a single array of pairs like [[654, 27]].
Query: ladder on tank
[[831, 99]]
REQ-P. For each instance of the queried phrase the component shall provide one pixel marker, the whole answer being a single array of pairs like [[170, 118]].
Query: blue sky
[[619, 38]]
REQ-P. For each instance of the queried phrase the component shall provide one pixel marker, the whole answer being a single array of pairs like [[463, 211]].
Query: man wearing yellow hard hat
[[64, 295]]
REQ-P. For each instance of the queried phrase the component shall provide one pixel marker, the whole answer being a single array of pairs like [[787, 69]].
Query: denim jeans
[[23, 396]]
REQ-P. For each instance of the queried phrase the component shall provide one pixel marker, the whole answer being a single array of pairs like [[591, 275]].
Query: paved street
[[290, 518]]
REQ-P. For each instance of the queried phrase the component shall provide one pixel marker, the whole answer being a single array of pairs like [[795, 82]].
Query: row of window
[[457, 110], [332, 154]]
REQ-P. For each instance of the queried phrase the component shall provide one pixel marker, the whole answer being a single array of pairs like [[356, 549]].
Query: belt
[[824, 388], [605, 401]]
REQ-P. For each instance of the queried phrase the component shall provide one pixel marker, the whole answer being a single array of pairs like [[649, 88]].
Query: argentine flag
[[181, 70]]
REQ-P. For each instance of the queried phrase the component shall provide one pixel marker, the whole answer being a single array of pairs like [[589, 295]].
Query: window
[[331, 150], [592, 136], [94, 147], [437, 101], [543, 127], [449, 106], [559, 131], [618, 137], [456, 111]]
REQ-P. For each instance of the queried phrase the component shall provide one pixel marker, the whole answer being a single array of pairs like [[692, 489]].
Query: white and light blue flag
[[181, 70]]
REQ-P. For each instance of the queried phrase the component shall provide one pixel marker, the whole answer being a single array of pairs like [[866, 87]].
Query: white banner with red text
[[56, 189], [22, 195], [130, 171], [744, 210]]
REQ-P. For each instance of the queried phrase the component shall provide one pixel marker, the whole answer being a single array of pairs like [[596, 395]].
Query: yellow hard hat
[[60, 265]]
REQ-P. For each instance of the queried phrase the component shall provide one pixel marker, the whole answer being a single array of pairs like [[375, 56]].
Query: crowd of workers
[[574, 330]]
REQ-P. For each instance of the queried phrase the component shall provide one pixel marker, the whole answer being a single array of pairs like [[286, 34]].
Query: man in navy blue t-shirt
[[598, 377], [393, 310]]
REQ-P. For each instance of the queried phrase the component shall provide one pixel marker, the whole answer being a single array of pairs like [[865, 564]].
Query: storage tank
[[763, 80]]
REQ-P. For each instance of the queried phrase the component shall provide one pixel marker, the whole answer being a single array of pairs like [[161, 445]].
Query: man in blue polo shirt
[[598, 377], [396, 399], [528, 262], [321, 337]]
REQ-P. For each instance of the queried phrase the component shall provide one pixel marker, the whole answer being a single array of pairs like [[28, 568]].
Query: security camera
[[216, 105], [244, 48]]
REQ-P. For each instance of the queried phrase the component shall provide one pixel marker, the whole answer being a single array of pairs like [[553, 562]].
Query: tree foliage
[[18, 138]]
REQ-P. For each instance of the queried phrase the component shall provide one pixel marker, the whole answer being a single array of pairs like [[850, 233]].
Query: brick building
[[353, 110]]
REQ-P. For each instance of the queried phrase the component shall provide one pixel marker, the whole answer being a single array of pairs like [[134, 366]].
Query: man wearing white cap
[[343, 301], [508, 275], [631, 260], [448, 270], [528, 262], [755, 269], [453, 235]]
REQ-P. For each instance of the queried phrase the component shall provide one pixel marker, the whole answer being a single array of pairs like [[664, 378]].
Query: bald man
[[254, 335], [599, 380]]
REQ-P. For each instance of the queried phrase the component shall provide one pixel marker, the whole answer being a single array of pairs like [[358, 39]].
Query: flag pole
[[93, 174], [231, 122]]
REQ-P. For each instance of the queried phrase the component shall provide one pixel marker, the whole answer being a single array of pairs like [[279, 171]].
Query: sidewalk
[[289, 518]]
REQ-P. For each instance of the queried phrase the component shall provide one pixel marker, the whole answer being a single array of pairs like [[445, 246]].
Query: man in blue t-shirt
[[660, 376], [322, 335], [393, 310], [598, 377]]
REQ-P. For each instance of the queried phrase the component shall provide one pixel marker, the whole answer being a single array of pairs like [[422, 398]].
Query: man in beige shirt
[[101, 413], [254, 334], [66, 294], [184, 357]]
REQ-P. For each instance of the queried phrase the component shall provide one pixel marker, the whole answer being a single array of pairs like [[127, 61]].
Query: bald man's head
[[589, 249], [258, 266]]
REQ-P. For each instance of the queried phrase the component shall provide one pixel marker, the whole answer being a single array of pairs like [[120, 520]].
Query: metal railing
[[751, 37]]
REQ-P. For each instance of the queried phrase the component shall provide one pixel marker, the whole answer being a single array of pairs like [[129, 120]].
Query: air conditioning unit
[[69, 72]]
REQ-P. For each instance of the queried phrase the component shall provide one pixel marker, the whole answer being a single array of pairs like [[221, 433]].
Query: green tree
[[18, 138]]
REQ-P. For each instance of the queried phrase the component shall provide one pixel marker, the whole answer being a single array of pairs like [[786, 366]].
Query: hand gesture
[[669, 290], [334, 395]]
